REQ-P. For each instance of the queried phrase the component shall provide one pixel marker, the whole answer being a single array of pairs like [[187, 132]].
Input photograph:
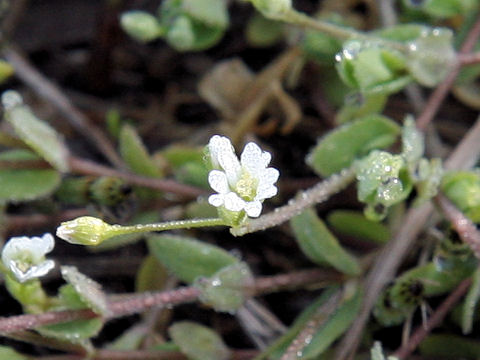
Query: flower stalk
[[87, 230]]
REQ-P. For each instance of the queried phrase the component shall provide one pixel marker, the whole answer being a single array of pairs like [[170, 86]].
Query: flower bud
[[86, 230]]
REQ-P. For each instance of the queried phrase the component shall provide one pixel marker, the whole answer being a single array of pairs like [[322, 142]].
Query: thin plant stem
[[168, 225], [132, 304], [318, 193], [469, 59], [339, 32], [422, 331], [87, 167], [51, 93], [465, 228]]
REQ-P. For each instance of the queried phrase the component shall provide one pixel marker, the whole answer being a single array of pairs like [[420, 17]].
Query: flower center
[[246, 186]]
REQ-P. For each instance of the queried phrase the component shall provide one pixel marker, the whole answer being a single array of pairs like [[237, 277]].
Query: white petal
[[233, 202], [269, 176], [218, 181], [231, 165], [266, 193], [216, 200], [33, 271], [219, 145], [253, 208], [252, 158]]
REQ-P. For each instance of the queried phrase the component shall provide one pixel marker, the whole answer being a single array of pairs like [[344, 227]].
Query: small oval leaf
[[319, 245], [189, 258], [198, 342], [18, 185], [342, 146], [36, 133], [355, 224], [135, 154]]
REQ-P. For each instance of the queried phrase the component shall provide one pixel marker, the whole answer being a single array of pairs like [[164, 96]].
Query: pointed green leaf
[[334, 327], [89, 291], [25, 184], [151, 276], [36, 133], [339, 148], [470, 304], [198, 342], [189, 258], [319, 245], [135, 154]]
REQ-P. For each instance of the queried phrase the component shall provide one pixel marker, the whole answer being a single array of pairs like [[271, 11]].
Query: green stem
[[339, 32], [169, 225]]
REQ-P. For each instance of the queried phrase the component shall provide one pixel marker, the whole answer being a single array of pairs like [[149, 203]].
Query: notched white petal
[[218, 181], [266, 193], [216, 200], [253, 208], [219, 145], [25, 257]]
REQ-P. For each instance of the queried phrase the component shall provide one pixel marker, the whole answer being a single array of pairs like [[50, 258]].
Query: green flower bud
[[141, 25], [87, 230]]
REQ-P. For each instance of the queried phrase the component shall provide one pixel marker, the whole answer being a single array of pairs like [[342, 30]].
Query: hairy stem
[[319, 193]]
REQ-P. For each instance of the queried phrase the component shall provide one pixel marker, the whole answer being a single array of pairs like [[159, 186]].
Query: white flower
[[241, 185], [25, 257]]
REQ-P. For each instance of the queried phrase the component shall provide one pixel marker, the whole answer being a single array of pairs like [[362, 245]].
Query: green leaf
[[189, 258], [463, 189], [141, 25], [135, 154], [193, 25], [359, 105], [356, 225], [471, 301], [338, 149], [334, 327], [89, 291], [18, 185], [372, 68], [10, 354], [319, 245], [210, 12], [431, 56], [263, 32], [36, 133], [75, 331], [450, 346], [198, 342], [226, 289], [331, 330], [151, 275]]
